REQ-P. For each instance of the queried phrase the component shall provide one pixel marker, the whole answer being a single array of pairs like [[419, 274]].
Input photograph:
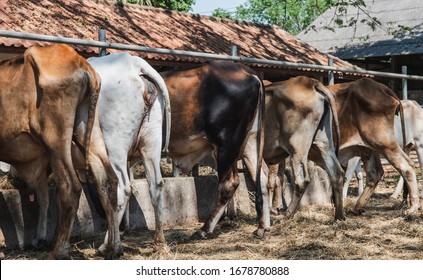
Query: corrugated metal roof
[[360, 41], [153, 27]]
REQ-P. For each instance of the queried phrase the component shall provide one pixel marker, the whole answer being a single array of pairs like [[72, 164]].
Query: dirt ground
[[382, 232]]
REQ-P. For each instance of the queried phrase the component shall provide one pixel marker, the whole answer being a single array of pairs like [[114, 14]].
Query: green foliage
[[291, 15], [222, 13], [297, 15], [176, 5]]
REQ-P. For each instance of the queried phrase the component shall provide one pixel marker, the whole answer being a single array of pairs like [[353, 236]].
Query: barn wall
[[186, 200]]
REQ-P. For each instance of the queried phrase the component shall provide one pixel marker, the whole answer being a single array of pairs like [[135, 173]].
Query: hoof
[[199, 235], [274, 211], [259, 233], [357, 212], [110, 252], [202, 235], [412, 210], [340, 217], [393, 197], [38, 244]]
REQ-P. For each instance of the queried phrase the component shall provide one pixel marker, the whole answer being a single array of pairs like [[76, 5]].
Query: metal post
[[404, 83], [331, 77], [102, 38], [234, 50]]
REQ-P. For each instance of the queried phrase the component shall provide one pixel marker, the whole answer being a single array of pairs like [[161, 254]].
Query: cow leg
[[325, 148], [400, 184], [274, 186], [351, 167], [34, 175], [227, 188], [69, 192], [106, 184], [155, 183], [278, 201], [359, 176], [250, 159], [118, 161], [404, 165], [301, 181], [374, 172], [419, 150]]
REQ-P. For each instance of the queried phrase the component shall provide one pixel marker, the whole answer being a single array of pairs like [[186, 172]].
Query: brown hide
[[40, 92], [299, 120], [366, 112], [213, 110]]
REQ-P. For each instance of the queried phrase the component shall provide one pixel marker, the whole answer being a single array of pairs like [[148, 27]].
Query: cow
[[133, 100], [366, 111], [215, 107], [301, 123], [44, 95], [413, 114]]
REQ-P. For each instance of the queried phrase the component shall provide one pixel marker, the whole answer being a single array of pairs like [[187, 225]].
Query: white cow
[[133, 100], [413, 114]]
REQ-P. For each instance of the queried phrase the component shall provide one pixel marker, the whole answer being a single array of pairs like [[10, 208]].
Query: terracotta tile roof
[[152, 27]]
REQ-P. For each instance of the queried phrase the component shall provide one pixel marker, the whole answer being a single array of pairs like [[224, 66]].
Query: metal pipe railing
[[207, 56]]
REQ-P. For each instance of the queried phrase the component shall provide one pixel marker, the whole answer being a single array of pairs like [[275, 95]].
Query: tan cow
[[366, 111], [43, 94], [299, 120]]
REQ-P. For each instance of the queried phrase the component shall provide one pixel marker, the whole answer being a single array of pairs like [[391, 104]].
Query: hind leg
[[336, 175], [405, 167], [374, 172], [227, 188], [34, 174], [250, 156], [301, 181], [151, 162], [351, 167]]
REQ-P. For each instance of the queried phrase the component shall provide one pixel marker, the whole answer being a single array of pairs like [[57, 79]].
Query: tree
[[176, 5], [297, 15]]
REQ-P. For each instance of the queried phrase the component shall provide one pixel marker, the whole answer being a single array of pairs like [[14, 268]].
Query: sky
[[206, 7]]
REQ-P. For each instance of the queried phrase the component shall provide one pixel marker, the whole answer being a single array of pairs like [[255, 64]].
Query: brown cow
[[214, 108], [299, 121], [366, 111], [42, 94]]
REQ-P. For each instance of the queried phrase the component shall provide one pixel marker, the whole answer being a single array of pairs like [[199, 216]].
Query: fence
[[102, 44]]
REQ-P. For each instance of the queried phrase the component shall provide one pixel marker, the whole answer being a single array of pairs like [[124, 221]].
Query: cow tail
[[404, 136], [149, 71], [332, 106], [260, 142], [93, 91]]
